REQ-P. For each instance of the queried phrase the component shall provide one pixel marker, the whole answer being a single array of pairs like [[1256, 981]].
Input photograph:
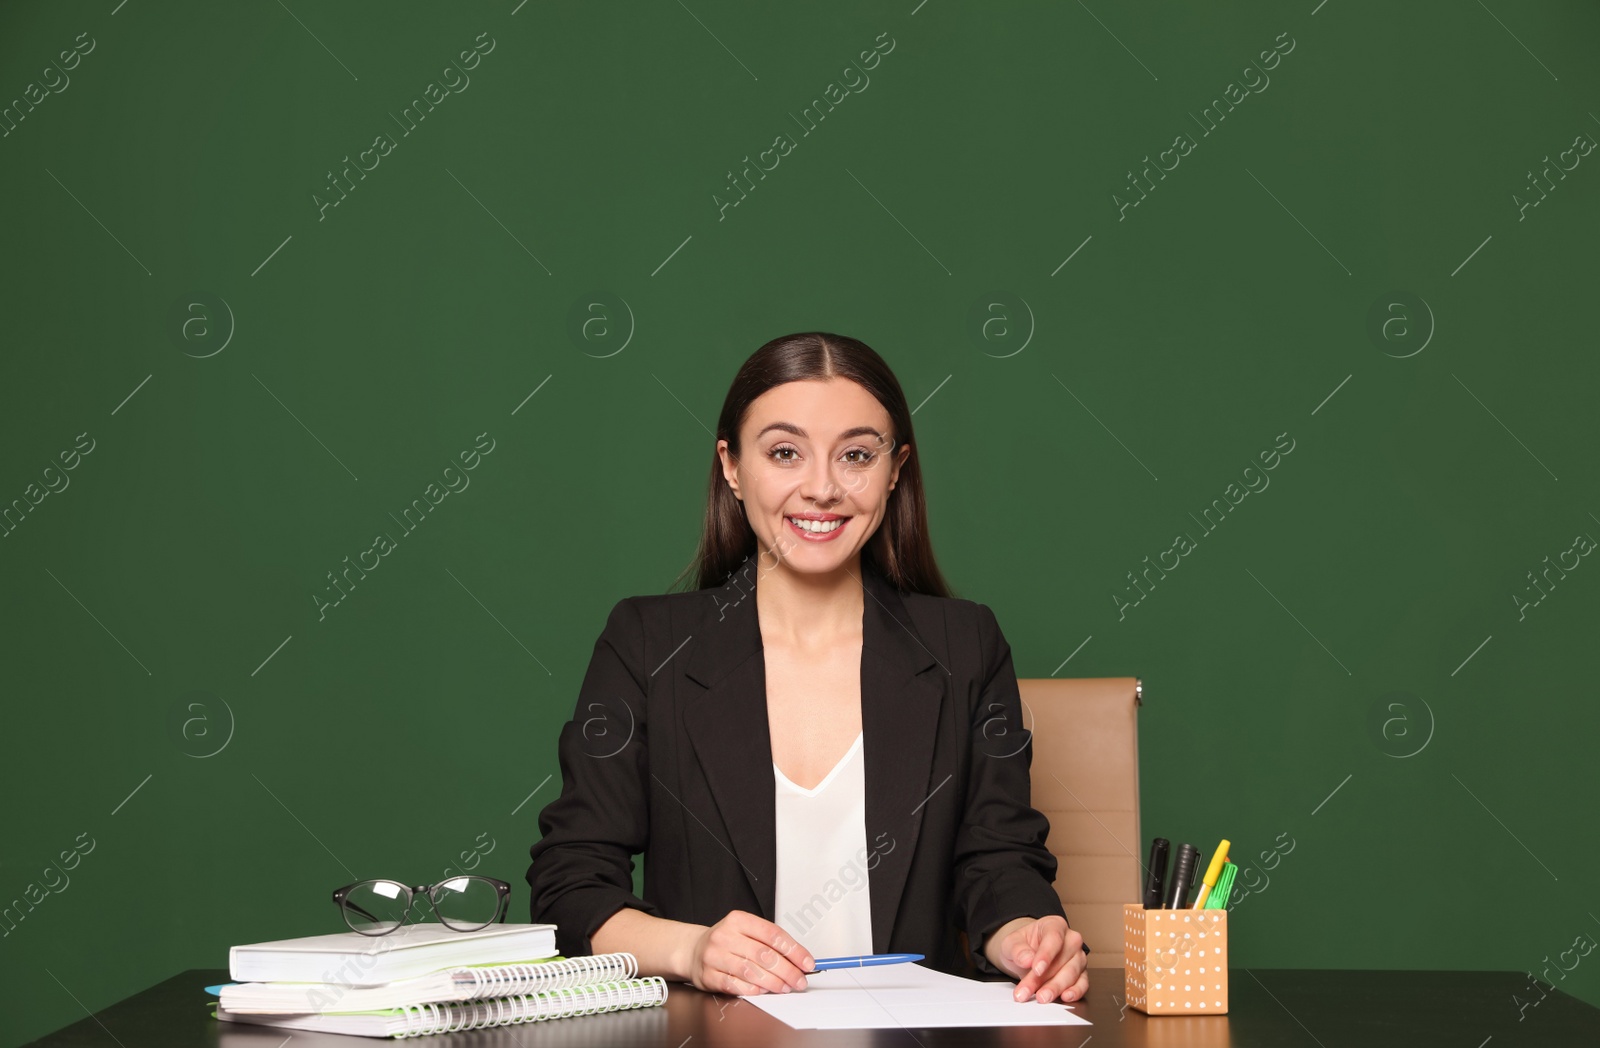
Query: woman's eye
[[853, 457]]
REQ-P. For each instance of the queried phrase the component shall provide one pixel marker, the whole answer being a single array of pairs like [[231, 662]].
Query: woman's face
[[818, 462]]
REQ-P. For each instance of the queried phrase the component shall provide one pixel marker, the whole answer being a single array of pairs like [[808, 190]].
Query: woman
[[810, 749]]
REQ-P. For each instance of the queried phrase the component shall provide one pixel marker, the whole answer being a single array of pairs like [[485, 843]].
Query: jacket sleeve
[[582, 868], [1003, 869]]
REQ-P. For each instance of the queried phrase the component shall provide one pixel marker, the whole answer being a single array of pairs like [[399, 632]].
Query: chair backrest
[[1085, 779]]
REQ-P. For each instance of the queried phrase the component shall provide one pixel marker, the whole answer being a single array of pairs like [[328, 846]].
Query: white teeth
[[817, 526]]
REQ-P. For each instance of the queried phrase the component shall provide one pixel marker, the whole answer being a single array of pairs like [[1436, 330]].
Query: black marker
[[1182, 877], [1155, 884]]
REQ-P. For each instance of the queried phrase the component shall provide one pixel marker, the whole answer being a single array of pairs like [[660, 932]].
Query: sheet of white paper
[[891, 996]]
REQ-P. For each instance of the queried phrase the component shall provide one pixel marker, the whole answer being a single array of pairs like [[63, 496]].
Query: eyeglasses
[[464, 904]]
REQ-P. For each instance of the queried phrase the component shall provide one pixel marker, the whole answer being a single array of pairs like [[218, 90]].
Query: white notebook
[[472, 1015], [456, 984], [350, 958]]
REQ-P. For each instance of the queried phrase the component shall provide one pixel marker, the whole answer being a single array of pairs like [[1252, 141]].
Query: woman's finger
[[1048, 948], [749, 970], [1076, 961], [1060, 982], [719, 966], [777, 951], [1074, 992], [732, 984], [792, 959], [778, 964], [1031, 980], [1045, 940]]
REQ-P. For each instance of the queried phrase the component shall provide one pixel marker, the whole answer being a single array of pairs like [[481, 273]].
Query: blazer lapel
[[727, 725], [901, 691], [728, 728]]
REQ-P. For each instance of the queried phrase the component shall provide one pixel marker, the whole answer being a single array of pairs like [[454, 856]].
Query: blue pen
[[827, 963]]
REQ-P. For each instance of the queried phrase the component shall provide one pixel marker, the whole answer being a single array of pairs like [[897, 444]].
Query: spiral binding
[[508, 980], [557, 1003]]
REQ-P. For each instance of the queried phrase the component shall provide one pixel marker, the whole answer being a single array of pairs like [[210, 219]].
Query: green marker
[[1218, 898]]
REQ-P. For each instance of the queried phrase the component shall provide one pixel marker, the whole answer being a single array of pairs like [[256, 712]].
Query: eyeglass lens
[[466, 903], [375, 907]]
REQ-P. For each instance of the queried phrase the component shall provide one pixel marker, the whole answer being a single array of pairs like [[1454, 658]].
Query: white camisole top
[[821, 891]]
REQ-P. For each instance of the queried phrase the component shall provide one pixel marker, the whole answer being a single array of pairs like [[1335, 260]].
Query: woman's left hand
[[1044, 955]]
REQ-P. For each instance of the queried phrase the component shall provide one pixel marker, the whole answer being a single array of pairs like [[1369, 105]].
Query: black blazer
[[668, 754]]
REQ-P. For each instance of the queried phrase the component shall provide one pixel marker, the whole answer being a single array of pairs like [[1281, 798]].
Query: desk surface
[[1267, 1007]]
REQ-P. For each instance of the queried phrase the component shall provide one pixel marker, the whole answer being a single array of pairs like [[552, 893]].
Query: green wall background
[[1342, 663]]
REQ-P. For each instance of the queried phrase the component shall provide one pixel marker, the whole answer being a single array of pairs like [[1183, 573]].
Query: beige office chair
[[1085, 779]]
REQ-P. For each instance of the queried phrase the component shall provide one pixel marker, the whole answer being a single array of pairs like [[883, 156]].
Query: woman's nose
[[821, 485]]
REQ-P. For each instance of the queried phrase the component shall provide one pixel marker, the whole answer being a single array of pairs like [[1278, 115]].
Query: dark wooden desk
[[1268, 1008]]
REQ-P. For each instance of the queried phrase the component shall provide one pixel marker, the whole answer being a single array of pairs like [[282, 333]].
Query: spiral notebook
[[421, 1019], [454, 984]]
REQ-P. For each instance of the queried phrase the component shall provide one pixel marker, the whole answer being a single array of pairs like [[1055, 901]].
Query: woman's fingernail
[[1044, 996], [785, 987]]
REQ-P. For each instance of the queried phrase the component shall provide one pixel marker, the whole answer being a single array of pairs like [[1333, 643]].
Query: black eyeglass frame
[[341, 900]]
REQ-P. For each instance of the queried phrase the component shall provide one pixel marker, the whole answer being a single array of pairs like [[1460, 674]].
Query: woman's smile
[[817, 527]]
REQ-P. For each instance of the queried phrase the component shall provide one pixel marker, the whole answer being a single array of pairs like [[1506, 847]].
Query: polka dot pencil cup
[[1175, 962]]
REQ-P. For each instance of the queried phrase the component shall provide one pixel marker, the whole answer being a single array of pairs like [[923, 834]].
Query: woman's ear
[[730, 468], [903, 453]]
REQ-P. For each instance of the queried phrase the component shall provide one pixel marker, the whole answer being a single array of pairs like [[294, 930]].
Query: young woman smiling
[[819, 689]]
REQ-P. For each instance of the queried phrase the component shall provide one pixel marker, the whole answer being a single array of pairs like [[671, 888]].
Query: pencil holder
[[1175, 962]]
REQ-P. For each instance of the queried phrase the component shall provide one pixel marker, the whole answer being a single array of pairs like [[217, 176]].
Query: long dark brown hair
[[900, 549]]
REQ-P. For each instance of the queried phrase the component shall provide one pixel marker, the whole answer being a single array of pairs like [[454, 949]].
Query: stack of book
[[425, 979]]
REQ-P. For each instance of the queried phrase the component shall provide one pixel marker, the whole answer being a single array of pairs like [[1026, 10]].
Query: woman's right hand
[[746, 954]]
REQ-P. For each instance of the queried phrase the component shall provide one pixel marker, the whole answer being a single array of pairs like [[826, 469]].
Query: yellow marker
[[1218, 857]]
